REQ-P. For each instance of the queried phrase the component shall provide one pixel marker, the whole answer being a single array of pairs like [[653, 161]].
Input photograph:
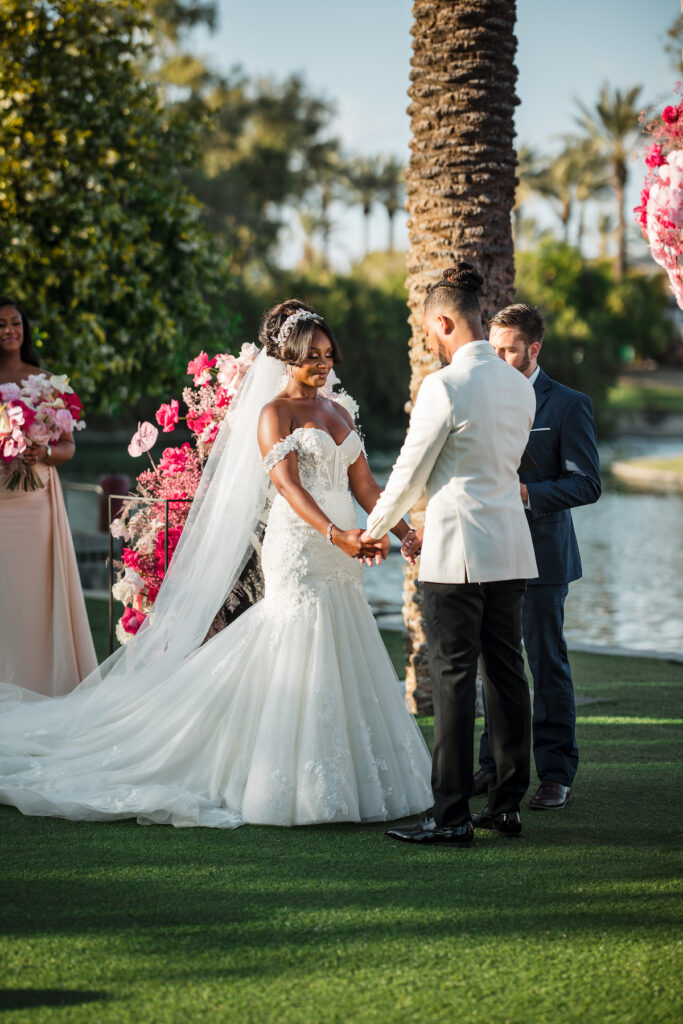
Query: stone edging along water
[[648, 478]]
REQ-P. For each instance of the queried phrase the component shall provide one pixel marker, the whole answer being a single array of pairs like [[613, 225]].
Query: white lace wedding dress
[[292, 715]]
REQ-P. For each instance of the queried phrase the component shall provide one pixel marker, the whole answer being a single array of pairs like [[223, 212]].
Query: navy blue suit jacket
[[567, 474]]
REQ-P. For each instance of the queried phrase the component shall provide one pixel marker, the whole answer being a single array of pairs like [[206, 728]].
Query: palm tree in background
[[364, 187], [613, 126], [392, 192], [460, 186], [528, 170], [592, 181]]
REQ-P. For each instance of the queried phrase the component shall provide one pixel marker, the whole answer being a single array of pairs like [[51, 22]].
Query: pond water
[[631, 593]]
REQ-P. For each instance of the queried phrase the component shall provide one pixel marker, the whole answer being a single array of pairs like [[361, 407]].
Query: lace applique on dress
[[279, 451]]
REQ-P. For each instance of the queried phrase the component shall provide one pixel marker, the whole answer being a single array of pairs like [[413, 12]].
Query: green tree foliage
[[592, 320], [100, 237], [263, 144]]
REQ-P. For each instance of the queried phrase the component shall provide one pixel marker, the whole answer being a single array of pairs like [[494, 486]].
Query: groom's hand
[[412, 545], [377, 549]]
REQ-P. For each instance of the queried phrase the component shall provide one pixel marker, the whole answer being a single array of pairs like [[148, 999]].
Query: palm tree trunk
[[390, 236], [580, 228], [620, 174], [461, 190]]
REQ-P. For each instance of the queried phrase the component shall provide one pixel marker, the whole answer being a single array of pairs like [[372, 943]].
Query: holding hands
[[359, 544]]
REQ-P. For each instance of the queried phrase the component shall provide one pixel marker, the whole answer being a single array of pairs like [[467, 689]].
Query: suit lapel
[[542, 386]]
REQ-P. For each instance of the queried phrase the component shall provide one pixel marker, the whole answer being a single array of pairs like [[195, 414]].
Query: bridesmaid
[[45, 641]]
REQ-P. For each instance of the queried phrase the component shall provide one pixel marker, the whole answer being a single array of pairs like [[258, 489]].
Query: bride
[[292, 714]]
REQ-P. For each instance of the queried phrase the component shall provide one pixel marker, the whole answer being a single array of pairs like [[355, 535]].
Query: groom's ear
[[446, 325]]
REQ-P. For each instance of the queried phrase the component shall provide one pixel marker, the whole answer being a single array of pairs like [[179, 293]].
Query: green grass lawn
[[627, 397], [577, 922]]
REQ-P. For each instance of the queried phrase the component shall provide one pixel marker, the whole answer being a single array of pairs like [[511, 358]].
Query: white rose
[[128, 587]]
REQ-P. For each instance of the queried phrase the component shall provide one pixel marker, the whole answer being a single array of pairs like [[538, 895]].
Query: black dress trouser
[[464, 620]]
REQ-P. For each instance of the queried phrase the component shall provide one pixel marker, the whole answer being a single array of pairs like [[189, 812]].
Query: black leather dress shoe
[[481, 780], [428, 833], [550, 796], [508, 824]]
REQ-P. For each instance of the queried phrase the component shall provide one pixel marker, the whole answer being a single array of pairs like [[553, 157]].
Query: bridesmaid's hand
[[35, 453]]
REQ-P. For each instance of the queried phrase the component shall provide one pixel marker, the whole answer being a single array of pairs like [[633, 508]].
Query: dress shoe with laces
[[508, 823], [428, 833], [550, 796], [481, 780]]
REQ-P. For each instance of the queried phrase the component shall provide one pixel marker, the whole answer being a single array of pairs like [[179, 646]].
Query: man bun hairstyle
[[456, 292], [527, 321], [291, 345]]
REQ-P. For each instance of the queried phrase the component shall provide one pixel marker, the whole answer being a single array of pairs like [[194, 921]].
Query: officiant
[[566, 475]]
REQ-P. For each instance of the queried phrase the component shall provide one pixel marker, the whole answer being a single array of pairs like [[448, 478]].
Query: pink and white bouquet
[[660, 213], [34, 414]]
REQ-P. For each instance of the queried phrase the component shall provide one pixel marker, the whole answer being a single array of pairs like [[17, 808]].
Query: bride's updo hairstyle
[[289, 339], [456, 292]]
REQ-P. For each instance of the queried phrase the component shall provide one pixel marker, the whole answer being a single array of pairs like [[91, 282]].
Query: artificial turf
[[577, 922]]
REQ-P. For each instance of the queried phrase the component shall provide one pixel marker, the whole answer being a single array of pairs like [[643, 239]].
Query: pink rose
[[167, 415], [131, 620], [201, 369], [670, 114], [62, 420]]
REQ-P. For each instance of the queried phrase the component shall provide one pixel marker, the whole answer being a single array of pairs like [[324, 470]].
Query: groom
[[468, 430]]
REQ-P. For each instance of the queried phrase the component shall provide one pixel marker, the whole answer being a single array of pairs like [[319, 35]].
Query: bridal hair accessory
[[293, 318]]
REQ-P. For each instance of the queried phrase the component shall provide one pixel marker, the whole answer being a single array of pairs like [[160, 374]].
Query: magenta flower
[[143, 439], [131, 558], [655, 157], [670, 114], [201, 369], [131, 620], [174, 460], [167, 415]]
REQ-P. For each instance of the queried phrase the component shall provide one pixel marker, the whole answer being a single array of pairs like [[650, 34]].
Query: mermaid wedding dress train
[[290, 716]]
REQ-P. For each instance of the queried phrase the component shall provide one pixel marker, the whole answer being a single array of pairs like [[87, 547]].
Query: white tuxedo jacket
[[469, 428]]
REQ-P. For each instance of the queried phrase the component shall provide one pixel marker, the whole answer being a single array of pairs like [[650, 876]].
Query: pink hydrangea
[[167, 415]]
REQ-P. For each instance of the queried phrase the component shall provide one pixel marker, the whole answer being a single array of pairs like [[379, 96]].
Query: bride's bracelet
[[330, 528]]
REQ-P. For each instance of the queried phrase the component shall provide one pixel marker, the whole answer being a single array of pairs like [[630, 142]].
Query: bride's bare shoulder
[[274, 422]]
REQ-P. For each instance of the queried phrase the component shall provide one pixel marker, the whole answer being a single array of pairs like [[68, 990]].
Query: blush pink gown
[[45, 641]]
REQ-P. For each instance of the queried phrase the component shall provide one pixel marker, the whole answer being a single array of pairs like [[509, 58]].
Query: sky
[[357, 55]]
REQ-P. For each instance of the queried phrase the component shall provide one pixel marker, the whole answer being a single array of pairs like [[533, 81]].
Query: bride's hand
[[357, 544]]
